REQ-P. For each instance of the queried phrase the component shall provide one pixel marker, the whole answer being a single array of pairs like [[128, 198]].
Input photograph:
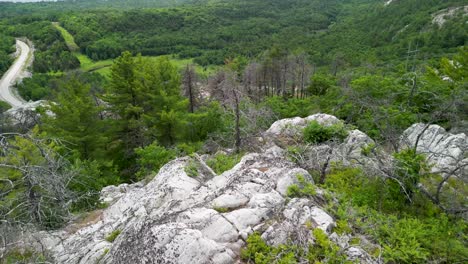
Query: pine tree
[[76, 120]]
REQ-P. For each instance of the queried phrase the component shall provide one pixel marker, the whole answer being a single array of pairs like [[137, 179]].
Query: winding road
[[13, 74]]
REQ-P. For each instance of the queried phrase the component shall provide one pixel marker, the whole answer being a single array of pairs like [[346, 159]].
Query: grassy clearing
[[182, 63], [69, 40], [89, 65], [103, 66], [86, 64]]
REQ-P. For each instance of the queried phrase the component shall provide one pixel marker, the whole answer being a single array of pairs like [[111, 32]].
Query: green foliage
[[6, 48], [316, 133], [304, 188], [39, 86], [4, 106], [77, 120], [354, 185], [321, 84], [324, 249], [368, 149], [287, 108], [257, 251], [221, 210], [113, 235], [18, 256], [410, 167], [191, 168], [151, 158], [51, 52], [408, 233], [342, 227], [223, 162], [145, 94]]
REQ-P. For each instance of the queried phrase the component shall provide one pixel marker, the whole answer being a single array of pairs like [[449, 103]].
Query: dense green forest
[[124, 104], [6, 48]]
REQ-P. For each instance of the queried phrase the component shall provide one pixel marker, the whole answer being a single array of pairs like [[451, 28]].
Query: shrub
[[4, 106], [112, 236], [410, 166], [257, 251], [23, 256], [324, 249], [191, 168], [222, 162], [221, 209], [408, 233], [315, 133], [291, 107], [303, 189], [152, 157]]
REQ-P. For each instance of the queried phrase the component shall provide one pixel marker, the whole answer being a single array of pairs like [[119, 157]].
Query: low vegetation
[[323, 250], [223, 162], [315, 133], [407, 232], [112, 236], [303, 188]]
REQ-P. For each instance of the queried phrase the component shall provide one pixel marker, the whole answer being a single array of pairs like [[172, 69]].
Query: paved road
[[10, 77]]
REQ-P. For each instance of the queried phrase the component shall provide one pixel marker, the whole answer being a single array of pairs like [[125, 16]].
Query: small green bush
[[410, 166], [4, 106], [367, 150], [221, 209], [191, 169], [112, 236], [303, 189], [258, 252], [222, 162], [23, 256], [152, 157], [325, 250], [315, 133]]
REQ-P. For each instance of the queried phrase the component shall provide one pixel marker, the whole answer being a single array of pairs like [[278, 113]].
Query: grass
[[112, 236], [182, 63], [89, 65], [69, 40], [86, 64], [103, 66]]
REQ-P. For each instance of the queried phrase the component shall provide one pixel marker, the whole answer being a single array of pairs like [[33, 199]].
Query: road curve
[[13, 74]]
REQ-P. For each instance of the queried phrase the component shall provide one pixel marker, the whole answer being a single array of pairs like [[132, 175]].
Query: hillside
[[195, 131], [270, 206]]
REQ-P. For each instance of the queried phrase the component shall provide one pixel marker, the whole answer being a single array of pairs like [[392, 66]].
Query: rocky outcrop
[[288, 132], [446, 152], [292, 127], [442, 16], [205, 219]]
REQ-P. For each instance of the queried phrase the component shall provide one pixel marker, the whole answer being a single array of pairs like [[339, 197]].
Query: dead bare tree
[[34, 181], [189, 86], [248, 119], [251, 81]]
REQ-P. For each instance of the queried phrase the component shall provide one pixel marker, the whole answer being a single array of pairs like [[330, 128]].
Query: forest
[[135, 84]]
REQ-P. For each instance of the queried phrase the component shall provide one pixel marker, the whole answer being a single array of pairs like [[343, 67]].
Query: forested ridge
[[132, 85]]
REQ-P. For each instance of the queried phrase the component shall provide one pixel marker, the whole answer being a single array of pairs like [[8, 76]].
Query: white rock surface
[[443, 150], [179, 219], [292, 127], [442, 16]]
